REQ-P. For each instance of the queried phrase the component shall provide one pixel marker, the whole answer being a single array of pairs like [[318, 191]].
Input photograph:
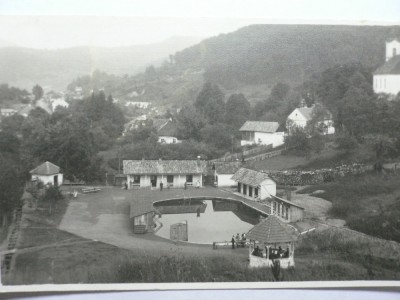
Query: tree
[[52, 195], [298, 141], [237, 110], [38, 92], [383, 145], [210, 103], [189, 123]]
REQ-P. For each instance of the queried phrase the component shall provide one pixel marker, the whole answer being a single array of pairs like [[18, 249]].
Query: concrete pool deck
[[104, 216]]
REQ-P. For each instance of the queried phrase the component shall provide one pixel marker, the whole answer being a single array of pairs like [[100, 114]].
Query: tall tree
[[237, 110], [210, 103], [38, 92]]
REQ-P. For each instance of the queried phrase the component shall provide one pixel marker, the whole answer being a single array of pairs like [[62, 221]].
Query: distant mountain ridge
[[267, 54], [24, 67]]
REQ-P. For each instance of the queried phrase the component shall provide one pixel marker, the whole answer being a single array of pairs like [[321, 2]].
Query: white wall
[[168, 140], [264, 138], [48, 179], [389, 49], [225, 180], [267, 188], [179, 180], [389, 84]]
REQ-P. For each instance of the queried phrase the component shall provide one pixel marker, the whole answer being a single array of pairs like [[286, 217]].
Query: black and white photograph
[[150, 145]]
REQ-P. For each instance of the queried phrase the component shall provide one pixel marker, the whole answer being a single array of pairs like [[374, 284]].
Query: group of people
[[238, 241], [274, 253]]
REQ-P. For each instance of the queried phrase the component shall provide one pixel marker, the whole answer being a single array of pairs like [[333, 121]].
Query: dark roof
[[272, 230], [141, 206], [260, 126], [46, 168], [251, 177], [164, 167], [392, 66], [158, 124], [168, 129], [227, 167], [287, 202]]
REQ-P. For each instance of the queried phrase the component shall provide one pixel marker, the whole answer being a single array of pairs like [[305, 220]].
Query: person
[[233, 242], [256, 251], [161, 186], [198, 184], [237, 237], [185, 185], [280, 251], [126, 185], [287, 252]]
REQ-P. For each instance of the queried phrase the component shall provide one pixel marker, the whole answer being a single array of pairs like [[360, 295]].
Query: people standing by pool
[[233, 241], [185, 185], [161, 186]]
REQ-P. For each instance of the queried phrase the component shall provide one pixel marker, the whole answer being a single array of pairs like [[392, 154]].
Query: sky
[[67, 23]]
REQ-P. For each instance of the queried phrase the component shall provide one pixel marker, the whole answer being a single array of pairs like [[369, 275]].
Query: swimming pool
[[208, 221]]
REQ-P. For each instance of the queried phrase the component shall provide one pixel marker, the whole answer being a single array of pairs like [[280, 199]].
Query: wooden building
[[142, 215], [172, 173], [271, 240], [48, 173], [286, 210], [254, 185]]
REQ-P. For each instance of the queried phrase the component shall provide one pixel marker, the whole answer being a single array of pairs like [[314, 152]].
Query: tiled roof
[[164, 167], [227, 167], [250, 177], [257, 126], [392, 66], [47, 168], [169, 129], [287, 202], [141, 206], [272, 230], [158, 124]]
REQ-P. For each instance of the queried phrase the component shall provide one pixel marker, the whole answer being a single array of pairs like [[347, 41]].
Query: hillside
[[268, 54], [24, 67]]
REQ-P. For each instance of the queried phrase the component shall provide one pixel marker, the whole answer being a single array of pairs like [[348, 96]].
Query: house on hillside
[[254, 185], [386, 79], [140, 121], [55, 102], [172, 173], [138, 104], [47, 173], [302, 115], [7, 112], [166, 131], [223, 172], [263, 133]]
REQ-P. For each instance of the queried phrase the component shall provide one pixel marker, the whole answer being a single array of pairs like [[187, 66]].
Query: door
[[56, 180], [153, 179]]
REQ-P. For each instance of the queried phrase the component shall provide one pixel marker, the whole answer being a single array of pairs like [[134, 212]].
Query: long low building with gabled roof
[[171, 173]]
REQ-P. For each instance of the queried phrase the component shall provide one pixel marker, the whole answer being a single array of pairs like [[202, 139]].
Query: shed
[[223, 172], [272, 240], [48, 173], [141, 215], [254, 185], [286, 210]]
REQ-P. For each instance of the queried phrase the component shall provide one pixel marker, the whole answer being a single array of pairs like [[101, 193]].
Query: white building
[[138, 104], [166, 131], [263, 133], [387, 77], [254, 185], [172, 173], [48, 173], [58, 102], [302, 115], [7, 112], [223, 172]]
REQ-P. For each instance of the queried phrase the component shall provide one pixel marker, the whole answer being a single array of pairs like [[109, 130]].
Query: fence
[[247, 154]]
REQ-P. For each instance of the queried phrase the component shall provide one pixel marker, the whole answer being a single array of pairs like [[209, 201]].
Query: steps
[[12, 240], [139, 229]]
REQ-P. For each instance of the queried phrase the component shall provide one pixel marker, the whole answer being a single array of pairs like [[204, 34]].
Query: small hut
[[271, 240], [48, 173], [141, 215]]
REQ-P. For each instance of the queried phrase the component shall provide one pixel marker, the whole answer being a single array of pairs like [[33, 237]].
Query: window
[[244, 189], [170, 180], [162, 141], [136, 179], [189, 178], [239, 190], [250, 191], [256, 192]]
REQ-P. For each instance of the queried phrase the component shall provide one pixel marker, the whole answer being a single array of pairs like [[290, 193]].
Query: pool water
[[208, 220]]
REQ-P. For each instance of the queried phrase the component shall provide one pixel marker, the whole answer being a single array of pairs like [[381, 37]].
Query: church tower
[[392, 49]]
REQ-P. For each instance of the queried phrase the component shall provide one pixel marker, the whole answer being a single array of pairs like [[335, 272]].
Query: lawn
[[367, 202]]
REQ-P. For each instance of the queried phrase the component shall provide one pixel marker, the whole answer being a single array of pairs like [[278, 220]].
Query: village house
[[386, 79], [286, 210], [223, 172], [7, 112], [138, 104], [263, 133], [254, 185], [166, 131], [47, 173], [135, 124], [55, 102], [172, 173], [302, 115]]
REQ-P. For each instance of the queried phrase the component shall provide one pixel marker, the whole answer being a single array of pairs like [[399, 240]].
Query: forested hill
[[269, 54], [56, 68]]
